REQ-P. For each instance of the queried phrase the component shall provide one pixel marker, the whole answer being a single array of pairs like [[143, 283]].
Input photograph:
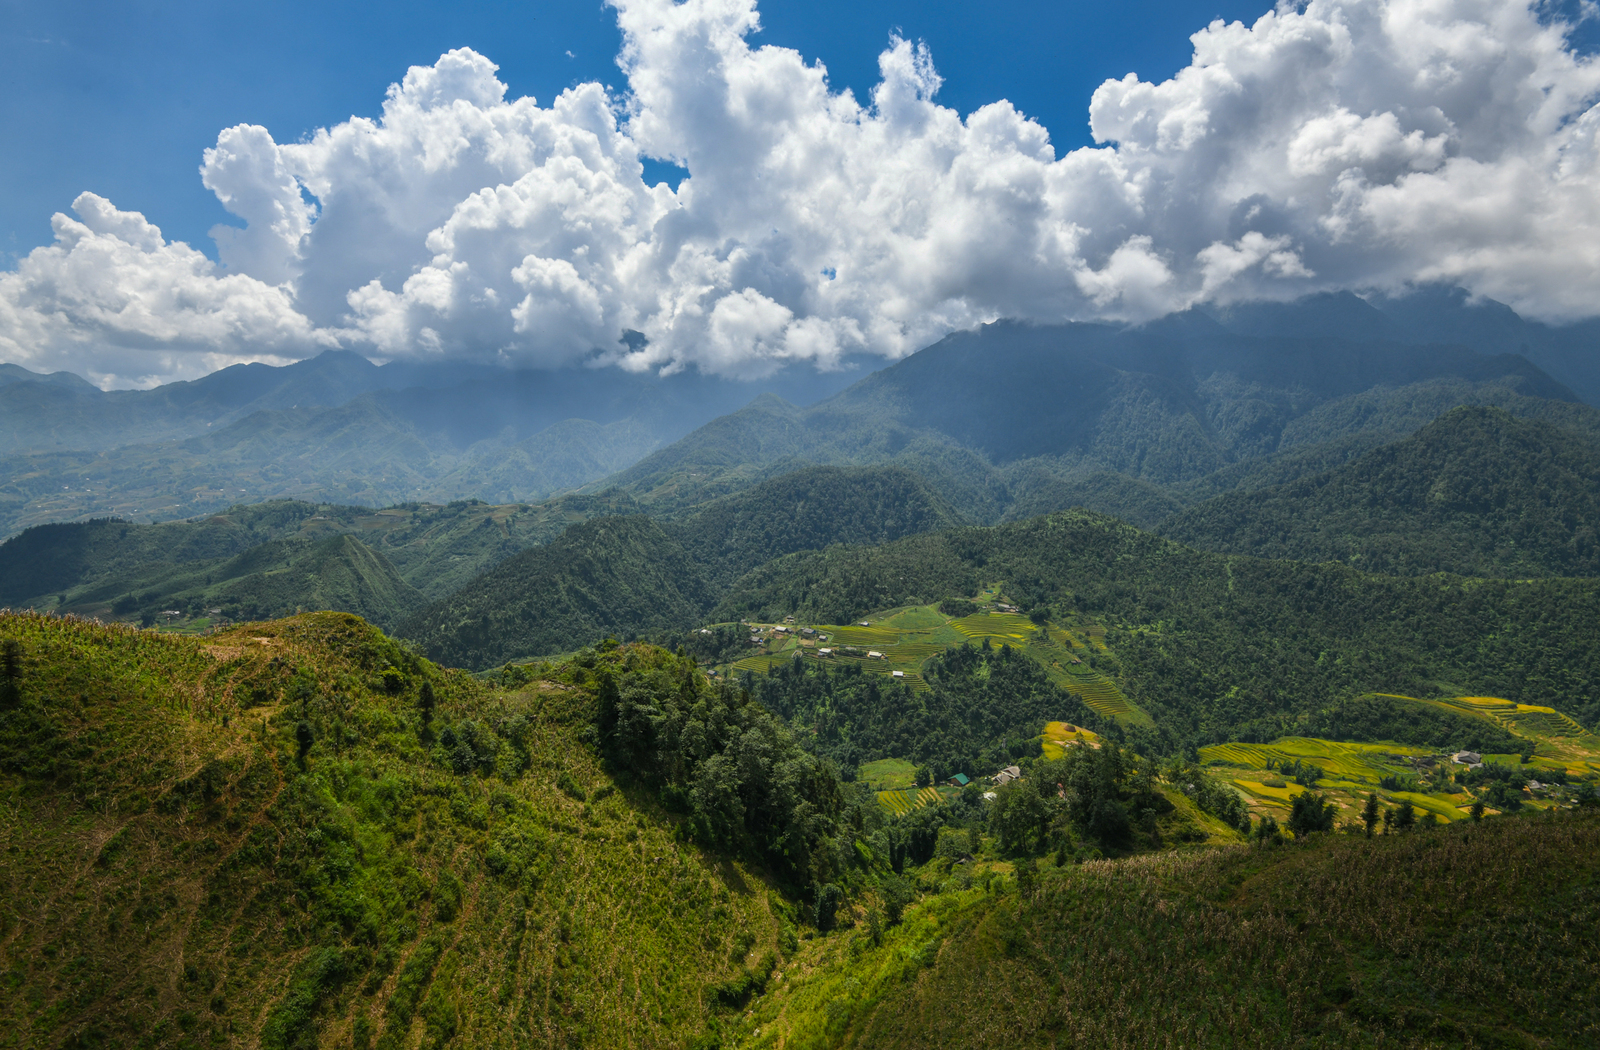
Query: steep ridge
[[1476, 492], [99, 567]]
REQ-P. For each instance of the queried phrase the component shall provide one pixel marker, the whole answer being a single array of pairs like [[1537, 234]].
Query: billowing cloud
[[1345, 143]]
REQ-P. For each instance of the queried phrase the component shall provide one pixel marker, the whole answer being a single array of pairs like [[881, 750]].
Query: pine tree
[[1369, 813]]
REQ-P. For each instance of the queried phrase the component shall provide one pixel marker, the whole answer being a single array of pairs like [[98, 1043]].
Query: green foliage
[[982, 710], [1222, 648], [958, 607], [627, 576], [748, 787], [1310, 812], [1476, 492]]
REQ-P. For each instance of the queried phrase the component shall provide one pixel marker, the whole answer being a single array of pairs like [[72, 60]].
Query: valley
[[1261, 680]]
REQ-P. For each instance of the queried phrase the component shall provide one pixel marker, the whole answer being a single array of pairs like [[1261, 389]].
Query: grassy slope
[[1476, 492], [1480, 935], [170, 876]]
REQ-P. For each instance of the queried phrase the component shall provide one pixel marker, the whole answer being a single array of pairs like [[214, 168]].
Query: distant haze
[[1355, 144]]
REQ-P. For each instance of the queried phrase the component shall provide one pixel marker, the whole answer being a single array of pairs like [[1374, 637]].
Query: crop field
[[904, 801], [1058, 736], [888, 774], [1351, 772], [1559, 742]]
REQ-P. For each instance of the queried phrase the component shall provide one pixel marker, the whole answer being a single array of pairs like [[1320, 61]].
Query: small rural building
[[873, 654], [1006, 776], [824, 652], [866, 623], [958, 781], [897, 674], [1468, 758]]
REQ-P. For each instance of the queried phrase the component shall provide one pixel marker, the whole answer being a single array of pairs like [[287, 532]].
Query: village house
[[897, 674], [958, 781], [1470, 759], [1006, 776]]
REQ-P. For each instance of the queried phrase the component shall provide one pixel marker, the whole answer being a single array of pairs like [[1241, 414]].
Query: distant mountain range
[[1007, 421], [338, 428]]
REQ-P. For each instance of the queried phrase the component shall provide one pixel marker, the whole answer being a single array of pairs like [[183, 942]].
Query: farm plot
[[1555, 736], [1351, 771], [1058, 736], [907, 799], [905, 638]]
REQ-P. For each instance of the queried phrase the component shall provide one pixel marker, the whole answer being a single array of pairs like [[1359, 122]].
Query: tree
[[924, 777], [10, 672], [426, 701], [896, 893], [1266, 830], [1309, 812], [1477, 809], [1405, 817], [1370, 813], [303, 738], [827, 906], [1027, 879]]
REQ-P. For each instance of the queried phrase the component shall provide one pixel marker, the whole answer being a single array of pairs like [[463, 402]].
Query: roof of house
[[960, 780]]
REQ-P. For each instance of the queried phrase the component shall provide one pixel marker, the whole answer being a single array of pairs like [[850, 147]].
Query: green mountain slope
[[106, 568], [809, 509], [302, 835], [626, 575], [607, 576], [1476, 492], [1220, 647]]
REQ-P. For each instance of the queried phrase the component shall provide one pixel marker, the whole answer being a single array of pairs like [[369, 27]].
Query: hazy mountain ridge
[[1005, 418]]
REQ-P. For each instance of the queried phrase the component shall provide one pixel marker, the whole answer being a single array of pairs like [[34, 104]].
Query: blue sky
[[163, 211], [120, 97]]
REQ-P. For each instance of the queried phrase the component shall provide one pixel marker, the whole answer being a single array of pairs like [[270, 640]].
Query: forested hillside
[[627, 575], [1219, 647], [117, 569], [1477, 492]]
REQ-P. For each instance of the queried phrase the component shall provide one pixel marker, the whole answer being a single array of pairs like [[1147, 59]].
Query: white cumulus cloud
[[1339, 143]]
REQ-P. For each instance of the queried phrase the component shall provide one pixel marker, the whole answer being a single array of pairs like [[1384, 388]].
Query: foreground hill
[[1432, 938], [626, 575], [1476, 492], [302, 835]]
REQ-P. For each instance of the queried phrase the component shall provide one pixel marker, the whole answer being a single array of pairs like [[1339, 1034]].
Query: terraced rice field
[[1555, 735], [1352, 771], [904, 801]]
